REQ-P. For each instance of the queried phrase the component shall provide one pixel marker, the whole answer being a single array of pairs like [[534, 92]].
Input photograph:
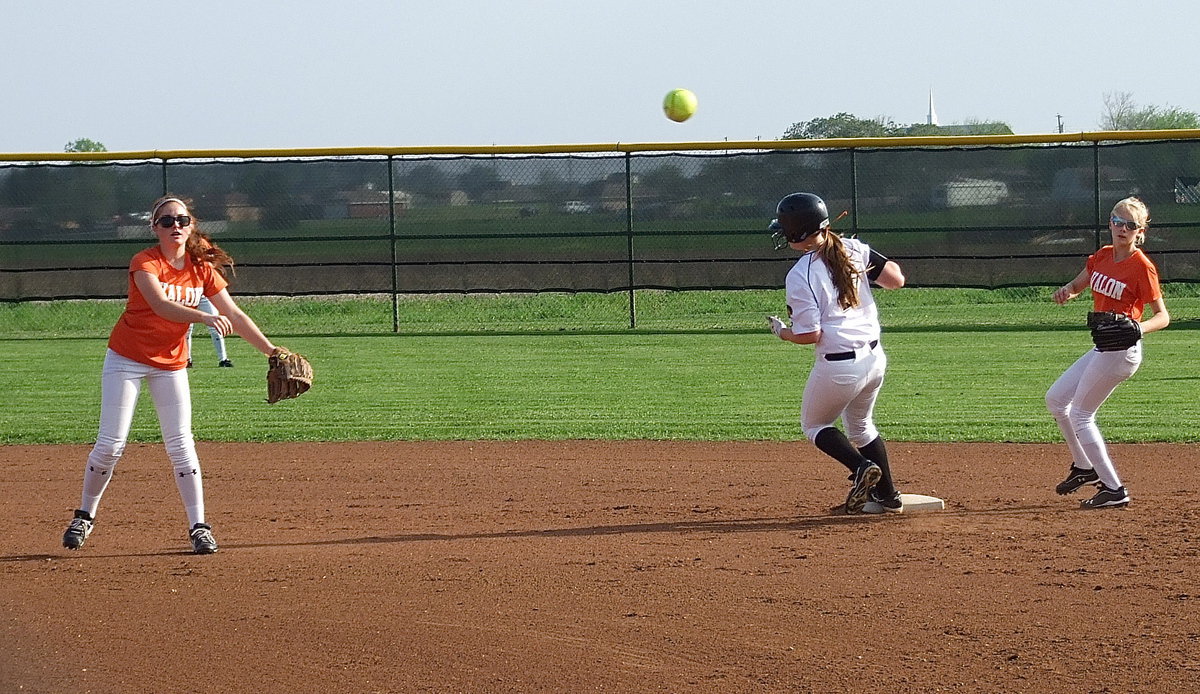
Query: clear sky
[[218, 74]]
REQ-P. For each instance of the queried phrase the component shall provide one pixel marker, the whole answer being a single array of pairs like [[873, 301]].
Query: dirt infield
[[598, 566]]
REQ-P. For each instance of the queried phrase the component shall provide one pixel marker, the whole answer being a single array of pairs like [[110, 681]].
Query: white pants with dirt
[[120, 384], [846, 389], [1078, 394]]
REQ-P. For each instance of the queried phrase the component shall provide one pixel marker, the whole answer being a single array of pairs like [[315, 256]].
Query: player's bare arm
[[1159, 320], [891, 276], [242, 324], [800, 338], [174, 311], [1071, 289]]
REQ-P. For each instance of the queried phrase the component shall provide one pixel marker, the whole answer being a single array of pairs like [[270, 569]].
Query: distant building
[[970, 192], [239, 209], [367, 204]]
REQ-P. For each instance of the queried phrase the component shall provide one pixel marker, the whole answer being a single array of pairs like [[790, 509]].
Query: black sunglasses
[[167, 221]]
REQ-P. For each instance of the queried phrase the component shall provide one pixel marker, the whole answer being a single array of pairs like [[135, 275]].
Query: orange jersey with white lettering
[[146, 337], [1125, 287]]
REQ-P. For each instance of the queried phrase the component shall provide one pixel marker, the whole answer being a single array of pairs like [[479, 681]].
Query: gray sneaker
[[78, 530], [203, 541]]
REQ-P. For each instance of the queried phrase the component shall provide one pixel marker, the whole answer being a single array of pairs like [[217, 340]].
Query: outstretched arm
[[1071, 289], [242, 324]]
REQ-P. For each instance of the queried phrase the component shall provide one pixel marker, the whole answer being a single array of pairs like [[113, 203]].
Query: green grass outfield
[[965, 365]]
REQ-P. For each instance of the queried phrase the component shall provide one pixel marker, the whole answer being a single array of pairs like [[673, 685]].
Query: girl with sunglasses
[[149, 344], [1123, 280]]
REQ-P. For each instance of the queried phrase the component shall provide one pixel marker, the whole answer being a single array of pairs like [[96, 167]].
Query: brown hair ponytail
[[841, 270], [202, 250]]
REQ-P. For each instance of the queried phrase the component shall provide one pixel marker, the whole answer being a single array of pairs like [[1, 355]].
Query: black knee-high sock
[[834, 444], [876, 452]]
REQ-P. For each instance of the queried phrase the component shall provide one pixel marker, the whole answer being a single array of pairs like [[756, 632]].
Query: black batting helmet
[[798, 216]]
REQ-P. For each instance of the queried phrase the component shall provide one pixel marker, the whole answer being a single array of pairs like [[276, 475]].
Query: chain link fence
[[395, 225]]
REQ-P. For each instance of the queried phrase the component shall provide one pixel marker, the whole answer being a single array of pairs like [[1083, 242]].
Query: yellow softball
[[679, 105]]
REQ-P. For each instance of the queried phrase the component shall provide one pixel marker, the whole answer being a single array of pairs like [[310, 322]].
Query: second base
[[913, 503]]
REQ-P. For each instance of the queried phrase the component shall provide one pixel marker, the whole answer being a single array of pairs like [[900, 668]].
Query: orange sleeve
[[1153, 290]]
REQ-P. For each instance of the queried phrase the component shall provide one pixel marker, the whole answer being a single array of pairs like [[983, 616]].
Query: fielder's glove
[[288, 375], [1113, 332], [777, 325]]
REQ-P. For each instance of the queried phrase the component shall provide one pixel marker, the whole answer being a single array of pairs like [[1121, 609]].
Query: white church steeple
[[932, 118]]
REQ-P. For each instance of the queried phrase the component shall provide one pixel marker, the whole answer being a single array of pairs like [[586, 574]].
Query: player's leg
[[172, 402], [1060, 402], [189, 343], [859, 418], [1104, 372], [120, 384], [830, 387], [219, 347], [218, 340]]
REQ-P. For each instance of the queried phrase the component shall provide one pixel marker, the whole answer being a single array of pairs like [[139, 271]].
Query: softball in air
[[679, 105]]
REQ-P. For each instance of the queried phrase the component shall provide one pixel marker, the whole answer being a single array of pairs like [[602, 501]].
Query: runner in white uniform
[[830, 306]]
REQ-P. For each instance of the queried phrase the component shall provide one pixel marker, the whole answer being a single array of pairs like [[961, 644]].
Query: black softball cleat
[[203, 541], [1108, 498], [865, 477], [78, 531], [1076, 478]]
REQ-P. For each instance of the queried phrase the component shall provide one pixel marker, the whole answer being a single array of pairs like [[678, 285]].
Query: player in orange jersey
[[1124, 281], [149, 345]]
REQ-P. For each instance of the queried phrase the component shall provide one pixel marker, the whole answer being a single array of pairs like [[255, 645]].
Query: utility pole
[[1059, 122]]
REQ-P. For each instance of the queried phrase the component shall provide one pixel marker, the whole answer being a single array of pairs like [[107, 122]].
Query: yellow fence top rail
[[615, 147]]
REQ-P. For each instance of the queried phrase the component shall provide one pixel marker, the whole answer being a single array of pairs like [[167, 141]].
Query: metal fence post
[[629, 235], [1096, 191], [853, 192], [392, 243]]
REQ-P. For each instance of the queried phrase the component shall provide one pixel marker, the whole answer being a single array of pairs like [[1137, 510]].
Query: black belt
[[847, 356]]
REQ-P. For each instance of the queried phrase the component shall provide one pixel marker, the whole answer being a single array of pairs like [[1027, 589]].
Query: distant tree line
[[848, 125], [1120, 113]]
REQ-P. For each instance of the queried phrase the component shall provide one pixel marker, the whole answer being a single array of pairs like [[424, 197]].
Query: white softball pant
[[1078, 394], [120, 384], [846, 389]]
